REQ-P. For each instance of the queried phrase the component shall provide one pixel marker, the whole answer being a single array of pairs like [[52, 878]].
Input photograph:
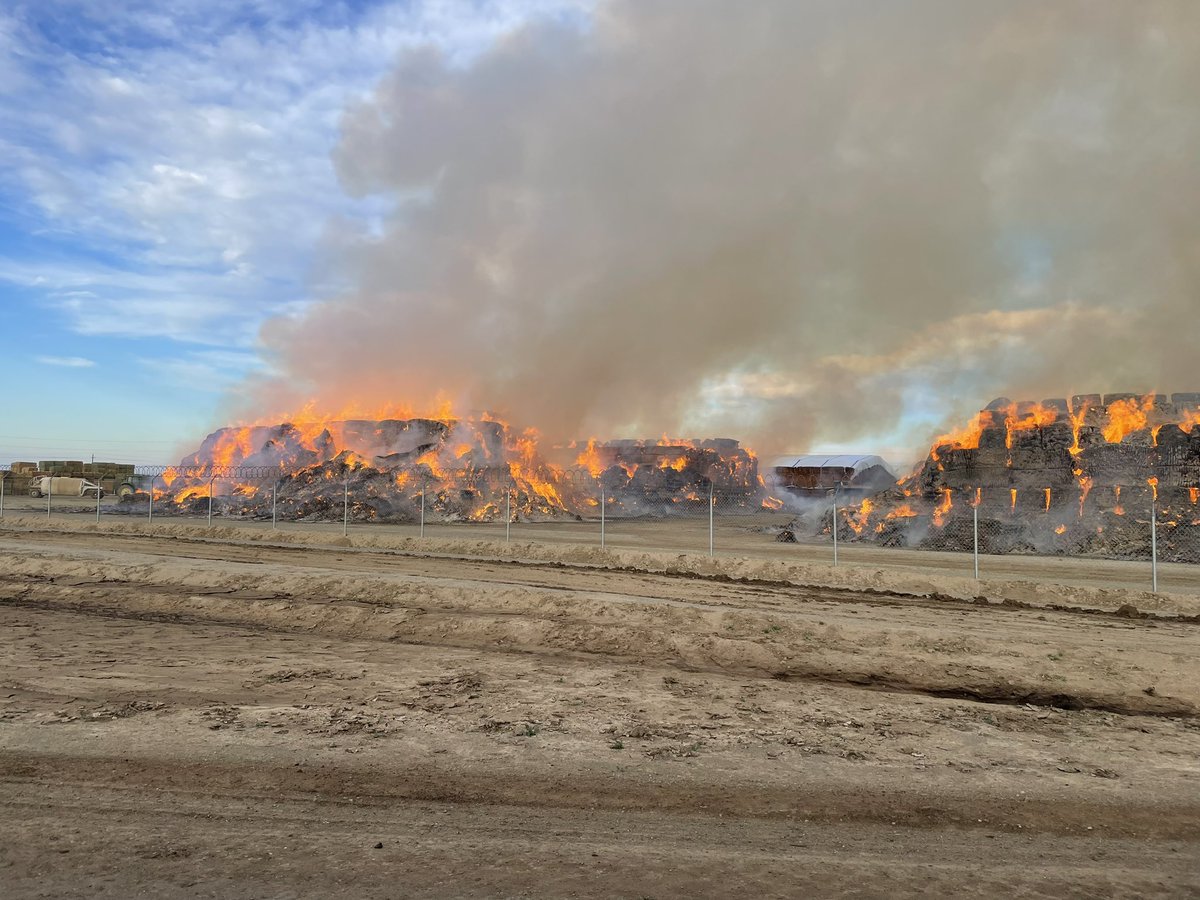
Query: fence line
[[1136, 522]]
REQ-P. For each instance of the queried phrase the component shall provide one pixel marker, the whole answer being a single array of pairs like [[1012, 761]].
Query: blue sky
[[166, 185]]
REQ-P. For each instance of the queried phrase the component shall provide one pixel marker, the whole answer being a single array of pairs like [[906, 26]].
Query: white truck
[[64, 486]]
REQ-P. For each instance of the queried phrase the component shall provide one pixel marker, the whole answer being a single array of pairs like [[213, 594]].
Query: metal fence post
[[99, 491], [424, 488], [507, 514], [274, 505], [975, 517], [210, 493], [150, 517], [345, 508], [602, 515], [3, 478], [836, 487], [711, 505], [49, 497], [1154, 544]]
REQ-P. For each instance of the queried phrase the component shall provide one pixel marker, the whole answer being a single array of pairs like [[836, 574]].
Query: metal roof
[[855, 461]]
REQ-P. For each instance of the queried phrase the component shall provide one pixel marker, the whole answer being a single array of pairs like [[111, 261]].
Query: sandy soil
[[234, 713]]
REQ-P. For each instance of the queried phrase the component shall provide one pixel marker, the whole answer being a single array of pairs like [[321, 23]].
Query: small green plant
[[617, 745], [771, 629], [1057, 655], [530, 730]]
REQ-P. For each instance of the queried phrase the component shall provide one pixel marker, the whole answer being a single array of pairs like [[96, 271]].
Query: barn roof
[[855, 461]]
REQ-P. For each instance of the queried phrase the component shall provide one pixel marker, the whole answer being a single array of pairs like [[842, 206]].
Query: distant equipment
[[72, 478], [817, 474], [59, 486]]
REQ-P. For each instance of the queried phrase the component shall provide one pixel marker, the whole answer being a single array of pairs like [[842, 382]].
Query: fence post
[[3, 478], [975, 510], [150, 518], [49, 497], [602, 515], [274, 505], [836, 488], [210, 493], [345, 507], [507, 514], [711, 504], [1154, 544], [99, 491], [424, 488]]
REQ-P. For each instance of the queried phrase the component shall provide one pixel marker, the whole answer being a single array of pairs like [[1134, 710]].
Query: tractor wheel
[[125, 490]]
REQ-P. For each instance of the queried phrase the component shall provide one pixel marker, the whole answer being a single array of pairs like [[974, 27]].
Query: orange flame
[[1039, 416], [943, 508], [590, 459], [1126, 417], [1077, 417], [858, 521]]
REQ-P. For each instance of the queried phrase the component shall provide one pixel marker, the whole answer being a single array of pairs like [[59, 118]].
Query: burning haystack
[[455, 470], [1082, 476]]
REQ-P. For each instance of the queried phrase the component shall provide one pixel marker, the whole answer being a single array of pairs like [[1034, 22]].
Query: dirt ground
[[233, 712]]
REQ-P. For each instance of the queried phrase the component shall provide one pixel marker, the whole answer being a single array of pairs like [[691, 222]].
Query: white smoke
[[789, 221]]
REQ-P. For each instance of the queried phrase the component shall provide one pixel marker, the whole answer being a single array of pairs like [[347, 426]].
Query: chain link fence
[[1157, 523]]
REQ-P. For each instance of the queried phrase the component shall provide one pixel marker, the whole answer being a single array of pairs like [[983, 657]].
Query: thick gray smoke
[[787, 221]]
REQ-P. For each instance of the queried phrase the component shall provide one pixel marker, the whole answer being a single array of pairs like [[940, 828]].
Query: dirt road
[[231, 716]]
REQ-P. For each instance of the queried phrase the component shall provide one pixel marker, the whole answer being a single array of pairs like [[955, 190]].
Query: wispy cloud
[[181, 158], [207, 371], [69, 362]]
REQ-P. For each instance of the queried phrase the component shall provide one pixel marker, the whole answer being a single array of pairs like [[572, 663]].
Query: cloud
[[70, 362], [860, 214], [185, 147], [206, 371]]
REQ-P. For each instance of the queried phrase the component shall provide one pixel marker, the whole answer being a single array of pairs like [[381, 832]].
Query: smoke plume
[[789, 221]]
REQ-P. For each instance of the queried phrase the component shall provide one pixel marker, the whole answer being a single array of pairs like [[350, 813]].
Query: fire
[[1190, 420], [678, 464], [1126, 417], [858, 521], [1118, 509], [1013, 492], [1038, 417], [943, 508], [630, 469], [1085, 485], [1077, 417], [967, 438], [1194, 494], [1153, 482], [772, 503], [904, 511], [590, 460], [978, 497], [430, 461], [1061, 529], [1047, 499]]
